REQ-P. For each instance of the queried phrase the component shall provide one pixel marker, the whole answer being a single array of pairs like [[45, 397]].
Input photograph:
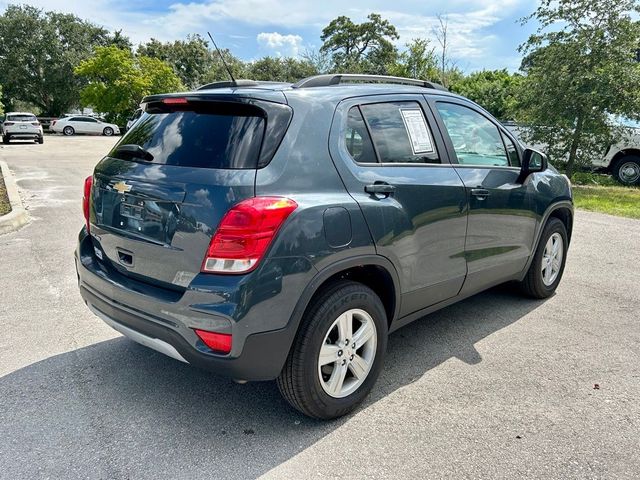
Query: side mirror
[[532, 161]]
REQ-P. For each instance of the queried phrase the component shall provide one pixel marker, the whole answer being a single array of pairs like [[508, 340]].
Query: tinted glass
[[400, 132], [21, 118], [512, 151], [476, 140], [192, 139], [357, 138]]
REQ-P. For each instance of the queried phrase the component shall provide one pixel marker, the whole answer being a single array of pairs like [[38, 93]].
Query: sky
[[484, 34]]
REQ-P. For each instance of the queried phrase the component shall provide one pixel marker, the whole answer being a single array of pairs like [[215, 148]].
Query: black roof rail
[[337, 79]]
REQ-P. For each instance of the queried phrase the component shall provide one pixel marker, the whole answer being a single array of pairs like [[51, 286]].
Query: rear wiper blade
[[135, 151]]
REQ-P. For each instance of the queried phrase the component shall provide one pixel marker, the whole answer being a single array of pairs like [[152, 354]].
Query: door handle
[[480, 193], [380, 188]]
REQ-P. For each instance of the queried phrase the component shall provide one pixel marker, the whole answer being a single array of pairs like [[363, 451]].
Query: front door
[[502, 219], [394, 164]]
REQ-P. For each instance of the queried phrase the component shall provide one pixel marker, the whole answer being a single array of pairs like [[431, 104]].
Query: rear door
[[395, 165], [161, 192], [502, 219]]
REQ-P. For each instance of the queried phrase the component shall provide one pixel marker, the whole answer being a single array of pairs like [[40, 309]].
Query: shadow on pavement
[[119, 410]]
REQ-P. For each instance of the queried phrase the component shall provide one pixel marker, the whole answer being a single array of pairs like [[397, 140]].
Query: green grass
[[5, 207], [614, 200]]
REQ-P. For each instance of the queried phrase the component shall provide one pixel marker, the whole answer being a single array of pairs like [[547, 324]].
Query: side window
[[512, 151], [357, 138], [400, 132], [476, 140]]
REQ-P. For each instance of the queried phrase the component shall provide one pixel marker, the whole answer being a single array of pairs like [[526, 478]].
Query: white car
[[622, 160], [134, 118], [21, 126], [83, 124]]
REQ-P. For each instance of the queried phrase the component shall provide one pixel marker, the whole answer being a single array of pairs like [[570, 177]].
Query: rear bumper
[[166, 324]]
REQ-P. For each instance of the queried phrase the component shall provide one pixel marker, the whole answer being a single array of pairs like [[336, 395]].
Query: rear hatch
[[24, 123], [159, 195]]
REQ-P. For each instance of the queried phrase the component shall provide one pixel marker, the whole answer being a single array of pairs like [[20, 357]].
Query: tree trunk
[[575, 142]]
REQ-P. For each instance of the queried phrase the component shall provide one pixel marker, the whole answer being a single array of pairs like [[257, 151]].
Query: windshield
[[21, 118], [193, 139]]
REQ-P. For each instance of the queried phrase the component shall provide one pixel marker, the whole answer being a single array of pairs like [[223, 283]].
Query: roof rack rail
[[337, 79]]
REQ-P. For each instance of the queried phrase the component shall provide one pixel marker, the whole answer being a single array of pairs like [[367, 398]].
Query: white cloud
[[282, 45]]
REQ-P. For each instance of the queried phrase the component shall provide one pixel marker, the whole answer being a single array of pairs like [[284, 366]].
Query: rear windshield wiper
[[134, 151]]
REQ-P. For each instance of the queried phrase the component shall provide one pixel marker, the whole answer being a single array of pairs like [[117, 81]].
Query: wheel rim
[[68, 131], [629, 172], [347, 353], [108, 132], [552, 259]]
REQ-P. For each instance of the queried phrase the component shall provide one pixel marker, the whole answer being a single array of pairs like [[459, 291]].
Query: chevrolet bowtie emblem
[[122, 187]]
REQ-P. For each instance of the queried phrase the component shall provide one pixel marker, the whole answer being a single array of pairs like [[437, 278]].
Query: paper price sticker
[[417, 130]]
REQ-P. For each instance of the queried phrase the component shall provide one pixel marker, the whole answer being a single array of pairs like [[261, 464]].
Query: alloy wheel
[[629, 172], [347, 353], [552, 259]]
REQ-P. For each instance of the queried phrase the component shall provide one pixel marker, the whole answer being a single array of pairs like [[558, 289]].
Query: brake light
[[245, 233], [35, 124], [88, 183], [8, 124], [218, 342], [175, 101], [53, 122]]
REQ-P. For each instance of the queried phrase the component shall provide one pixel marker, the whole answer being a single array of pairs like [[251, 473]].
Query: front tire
[[547, 267], [68, 131], [107, 132], [338, 352], [627, 170]]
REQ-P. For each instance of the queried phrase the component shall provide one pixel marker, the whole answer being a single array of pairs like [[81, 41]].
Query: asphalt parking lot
[[497, 386]]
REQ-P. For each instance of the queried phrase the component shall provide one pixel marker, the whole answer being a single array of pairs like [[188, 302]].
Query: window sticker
[[417, 130]]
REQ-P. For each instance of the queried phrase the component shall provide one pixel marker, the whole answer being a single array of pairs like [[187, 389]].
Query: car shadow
[[118, 410]]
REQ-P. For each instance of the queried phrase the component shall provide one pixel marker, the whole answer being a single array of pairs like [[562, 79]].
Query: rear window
[[196, 139], [21, 118]]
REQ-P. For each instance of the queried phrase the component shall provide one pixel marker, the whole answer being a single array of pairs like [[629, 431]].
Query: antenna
[[222, 58]]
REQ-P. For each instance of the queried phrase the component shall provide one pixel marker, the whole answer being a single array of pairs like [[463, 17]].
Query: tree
[[1, 106], [280, 69], [581, 70], [39, 52], [191, 59], [417, 61], [448, 69], [118, 80], [495, 90], [360, 48]]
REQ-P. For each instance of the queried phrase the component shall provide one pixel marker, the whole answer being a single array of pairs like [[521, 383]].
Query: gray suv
[[276, 231]]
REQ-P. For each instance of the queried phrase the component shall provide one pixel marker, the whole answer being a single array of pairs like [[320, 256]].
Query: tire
[[40, 140], [304, 383], [68, 131], [107, 132], [627, 170], [536, 284], [5, 139]]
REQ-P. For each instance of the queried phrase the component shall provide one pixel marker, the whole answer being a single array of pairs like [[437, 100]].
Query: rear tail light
[[53, 122], [8, 124], [218, 342], [88, 183], [245, 233], [35, 124]]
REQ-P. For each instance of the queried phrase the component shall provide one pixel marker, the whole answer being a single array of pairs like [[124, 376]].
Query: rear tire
[[547, 267], [306, 382], [40, 140], [5, 139], [107, 132], [68, 131], [627, 170]]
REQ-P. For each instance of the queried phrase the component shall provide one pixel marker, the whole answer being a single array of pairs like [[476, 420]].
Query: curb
[[18, 216]]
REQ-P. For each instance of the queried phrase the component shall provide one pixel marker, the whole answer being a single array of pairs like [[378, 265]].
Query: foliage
[[417, 61], [621, 201], [593, 179], [191, 59], [1, 106], [360, 48], [118, 80], [280, 69], [495, 90], [580, 70], [39, 53]]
